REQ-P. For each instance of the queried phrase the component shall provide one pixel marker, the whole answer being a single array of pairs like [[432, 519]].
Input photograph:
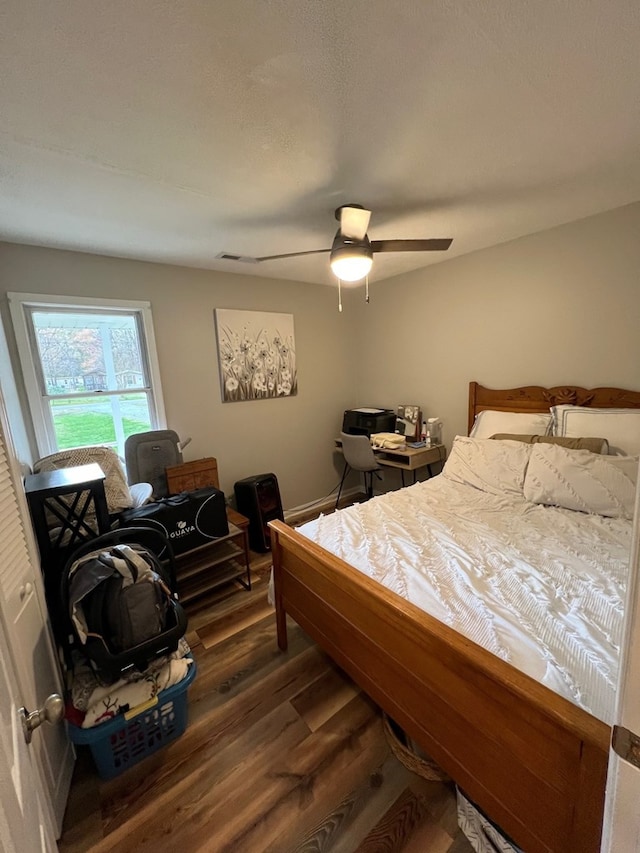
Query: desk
[[408, 458]]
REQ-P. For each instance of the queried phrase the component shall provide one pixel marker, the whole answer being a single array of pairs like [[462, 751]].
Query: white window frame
[[21, 303]]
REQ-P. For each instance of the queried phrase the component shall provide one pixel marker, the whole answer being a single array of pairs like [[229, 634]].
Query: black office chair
[[359, 456]]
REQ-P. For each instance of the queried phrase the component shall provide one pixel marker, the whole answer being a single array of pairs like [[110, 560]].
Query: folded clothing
[[94, 703]]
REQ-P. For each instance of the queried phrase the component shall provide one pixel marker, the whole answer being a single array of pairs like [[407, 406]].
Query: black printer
[[367, 420]]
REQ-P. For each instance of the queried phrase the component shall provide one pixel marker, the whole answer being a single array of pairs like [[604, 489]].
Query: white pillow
[[497, 467], [489, 422], [581, 480], [621, 427]]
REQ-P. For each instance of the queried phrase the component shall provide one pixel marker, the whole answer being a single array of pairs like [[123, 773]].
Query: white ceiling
[[173, 131]]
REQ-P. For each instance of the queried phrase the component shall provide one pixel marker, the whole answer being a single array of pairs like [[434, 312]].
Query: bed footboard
[[529, 758]]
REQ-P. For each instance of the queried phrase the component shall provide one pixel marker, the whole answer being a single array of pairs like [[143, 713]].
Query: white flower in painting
[[228, 357], [284, 388], [245, 346], [286, 375], [271, 383], [260, 382], [232, 383]]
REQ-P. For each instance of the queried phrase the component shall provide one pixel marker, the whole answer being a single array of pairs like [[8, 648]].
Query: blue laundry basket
[[125, 740]]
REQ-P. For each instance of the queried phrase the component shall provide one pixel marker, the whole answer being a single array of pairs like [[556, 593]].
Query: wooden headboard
[[535, 398]]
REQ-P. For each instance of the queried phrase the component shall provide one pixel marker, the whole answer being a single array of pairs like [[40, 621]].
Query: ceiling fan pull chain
[[340, 295], [366, 289]]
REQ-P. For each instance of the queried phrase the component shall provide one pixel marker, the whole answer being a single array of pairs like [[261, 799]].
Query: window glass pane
[[85, 351], [91, 370], [85, 421]]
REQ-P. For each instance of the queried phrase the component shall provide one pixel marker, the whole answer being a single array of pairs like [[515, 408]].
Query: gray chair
[[149, 454], [358, 456]]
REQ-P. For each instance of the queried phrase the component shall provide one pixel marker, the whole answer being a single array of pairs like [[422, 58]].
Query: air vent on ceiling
[[243, 259]]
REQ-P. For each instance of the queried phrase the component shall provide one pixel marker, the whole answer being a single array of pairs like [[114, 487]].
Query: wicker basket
[[422, 765]]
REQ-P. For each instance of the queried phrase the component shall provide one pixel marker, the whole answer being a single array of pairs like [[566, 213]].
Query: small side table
[[234, 517], [82, 486], [68, 494]]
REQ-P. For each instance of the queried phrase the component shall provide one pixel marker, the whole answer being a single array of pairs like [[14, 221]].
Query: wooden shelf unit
[[204, 569]]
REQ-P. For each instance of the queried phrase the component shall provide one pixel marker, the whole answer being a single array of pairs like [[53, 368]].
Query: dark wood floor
[[282, 753]]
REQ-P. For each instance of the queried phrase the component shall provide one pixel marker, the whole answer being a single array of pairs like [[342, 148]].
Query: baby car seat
[[122, 612]]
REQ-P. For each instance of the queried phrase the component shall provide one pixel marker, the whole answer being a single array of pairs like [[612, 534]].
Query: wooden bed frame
[[533, 761]]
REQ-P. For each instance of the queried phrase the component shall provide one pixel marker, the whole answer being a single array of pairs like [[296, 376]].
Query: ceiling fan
[[351, 254]]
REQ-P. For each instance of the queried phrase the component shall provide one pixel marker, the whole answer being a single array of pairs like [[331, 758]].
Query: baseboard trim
[[293, 515]]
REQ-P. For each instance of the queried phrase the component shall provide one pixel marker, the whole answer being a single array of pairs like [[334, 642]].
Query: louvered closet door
[[23, 823], [25, 624]]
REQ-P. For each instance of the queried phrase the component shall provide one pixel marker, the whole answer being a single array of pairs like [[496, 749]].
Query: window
[[90, 370]]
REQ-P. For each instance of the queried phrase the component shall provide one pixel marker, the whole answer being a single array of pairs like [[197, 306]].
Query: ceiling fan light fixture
[[351, 262], [351, 255]]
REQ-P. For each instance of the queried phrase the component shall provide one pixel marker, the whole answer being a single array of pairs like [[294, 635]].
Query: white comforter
[[540, 587]]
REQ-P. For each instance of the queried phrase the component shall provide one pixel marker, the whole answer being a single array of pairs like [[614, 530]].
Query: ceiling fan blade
[[437, 245], [292, 255], [354, 221]]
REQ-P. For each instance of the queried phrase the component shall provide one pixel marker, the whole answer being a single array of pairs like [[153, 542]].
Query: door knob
[[26, 589], [52, 711]]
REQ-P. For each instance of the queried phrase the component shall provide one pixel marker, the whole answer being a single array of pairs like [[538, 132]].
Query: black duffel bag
[[188, 520]]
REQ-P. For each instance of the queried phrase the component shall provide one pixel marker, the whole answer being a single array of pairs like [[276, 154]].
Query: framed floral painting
[[257, 355]]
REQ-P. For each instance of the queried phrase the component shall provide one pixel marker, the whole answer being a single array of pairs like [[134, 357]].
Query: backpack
[[122, 612]]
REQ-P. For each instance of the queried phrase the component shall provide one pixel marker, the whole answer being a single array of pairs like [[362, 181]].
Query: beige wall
[[560, 306], [292, 437]]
